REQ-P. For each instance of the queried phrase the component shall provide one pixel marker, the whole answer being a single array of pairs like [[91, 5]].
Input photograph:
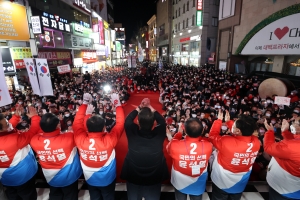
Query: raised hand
[[115, 99], [285, 125], [87, 98], [31, 112], [90, 109], [227, 116], [269, 127], [220, 114]]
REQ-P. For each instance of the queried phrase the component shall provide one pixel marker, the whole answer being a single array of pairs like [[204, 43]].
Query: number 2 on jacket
[[91, 147], [194, 147], [47, 143], [249, 150]]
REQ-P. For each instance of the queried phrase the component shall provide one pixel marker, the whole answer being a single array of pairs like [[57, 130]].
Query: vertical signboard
[[101, 32], [199, 13]]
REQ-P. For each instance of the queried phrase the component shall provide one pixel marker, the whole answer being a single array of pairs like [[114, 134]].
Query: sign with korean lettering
[[89, 56], [81, 30], [101, 32], [281, 37], [55, 22], [5, 98], [81, 42], [62, 69], [13, 22], [7, 62], [44, 76], [83, 4], [30, 67], [18, 54], [282, 101], [36, 25], [56, 58], [199, 18], [199, 4]]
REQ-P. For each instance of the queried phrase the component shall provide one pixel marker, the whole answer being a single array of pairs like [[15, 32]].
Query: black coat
[[145, 163]]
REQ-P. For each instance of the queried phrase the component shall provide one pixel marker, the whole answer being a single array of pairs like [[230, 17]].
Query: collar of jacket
[[52, 134], [96, 134], [7, 133]]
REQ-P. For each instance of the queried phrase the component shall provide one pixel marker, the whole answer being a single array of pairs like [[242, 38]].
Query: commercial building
[[195, 28], [164, 28], [152, 30], [259, 35]]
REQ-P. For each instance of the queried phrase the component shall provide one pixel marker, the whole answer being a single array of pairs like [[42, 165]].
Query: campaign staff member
[[58, 157], [190, 158], [234, 157], [145, 165], [283, 174], [17, 161], [96, 148]]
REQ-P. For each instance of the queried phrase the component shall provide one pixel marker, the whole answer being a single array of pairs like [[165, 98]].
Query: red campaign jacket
[[229, 146], [283, 170], [97, 154], [17, 161], [58, 157], [285, 152], [181, 149]]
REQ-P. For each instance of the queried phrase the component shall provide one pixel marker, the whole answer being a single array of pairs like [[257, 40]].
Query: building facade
[[152, 39], [164, 28], [259, 35], [194, 31]]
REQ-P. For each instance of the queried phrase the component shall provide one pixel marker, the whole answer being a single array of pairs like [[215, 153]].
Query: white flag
[[140, 53], [44, 77], [5, 98], [32, 75]]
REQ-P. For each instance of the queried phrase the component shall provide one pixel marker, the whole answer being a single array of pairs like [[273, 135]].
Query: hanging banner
[[5, 98], [133, 61], [129, 61], [29, 64], [140, 53], [44, 77], [63, 69]]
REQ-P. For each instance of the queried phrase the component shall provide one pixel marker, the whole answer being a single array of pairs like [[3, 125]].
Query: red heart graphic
[[281, 32]]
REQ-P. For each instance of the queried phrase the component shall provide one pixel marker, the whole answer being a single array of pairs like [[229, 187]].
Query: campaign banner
[[282, 100], [129, 61], [44, 77], [63, 69], [5, 98], [30, 67], [133, 61]]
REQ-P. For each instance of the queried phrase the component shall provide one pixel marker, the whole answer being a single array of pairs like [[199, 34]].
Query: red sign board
[[200, 5], [20, 64], [89, 56], [184, 39], [56, 58]]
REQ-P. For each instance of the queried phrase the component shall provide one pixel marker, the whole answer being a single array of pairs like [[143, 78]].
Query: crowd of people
[[210, 109]]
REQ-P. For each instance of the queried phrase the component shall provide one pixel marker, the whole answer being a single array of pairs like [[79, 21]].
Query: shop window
[[214, 21], [264, 67], [187, 6], [292, 70], [258, 65], [252, 67], [80, 17], [261, 64]]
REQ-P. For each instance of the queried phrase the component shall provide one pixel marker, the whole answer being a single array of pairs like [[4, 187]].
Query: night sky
[[133, 14]]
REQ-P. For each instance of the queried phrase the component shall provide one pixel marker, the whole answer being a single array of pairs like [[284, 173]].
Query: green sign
[[80, 30], [199, 18], [118, 46]]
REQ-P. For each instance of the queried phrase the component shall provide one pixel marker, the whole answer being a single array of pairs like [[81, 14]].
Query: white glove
[[90, 109], [115, 100], [87, 98]]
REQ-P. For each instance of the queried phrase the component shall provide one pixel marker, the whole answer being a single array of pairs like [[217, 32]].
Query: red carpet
[[122, 146]]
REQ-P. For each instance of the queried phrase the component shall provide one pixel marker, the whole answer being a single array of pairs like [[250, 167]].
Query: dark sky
[[133, 13]]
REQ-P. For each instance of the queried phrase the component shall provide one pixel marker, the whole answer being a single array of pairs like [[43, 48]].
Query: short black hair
[[49, 122], [193, 128], [1, 118], [95, 124], [146, 118], [246, 124]]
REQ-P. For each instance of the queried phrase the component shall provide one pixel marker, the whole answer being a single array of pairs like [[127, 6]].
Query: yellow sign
[[105, 24], [20, 52], [13, 22]]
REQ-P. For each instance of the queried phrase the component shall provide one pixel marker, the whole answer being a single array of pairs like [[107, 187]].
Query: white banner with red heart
[[281, 37]]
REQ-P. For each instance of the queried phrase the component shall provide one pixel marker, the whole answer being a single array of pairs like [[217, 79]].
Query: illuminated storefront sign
[[55, 22], [199, 18], [83, 4]]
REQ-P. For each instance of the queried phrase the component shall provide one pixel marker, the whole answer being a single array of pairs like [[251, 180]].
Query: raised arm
[[214, 134], [24, 138], [118, 129]]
